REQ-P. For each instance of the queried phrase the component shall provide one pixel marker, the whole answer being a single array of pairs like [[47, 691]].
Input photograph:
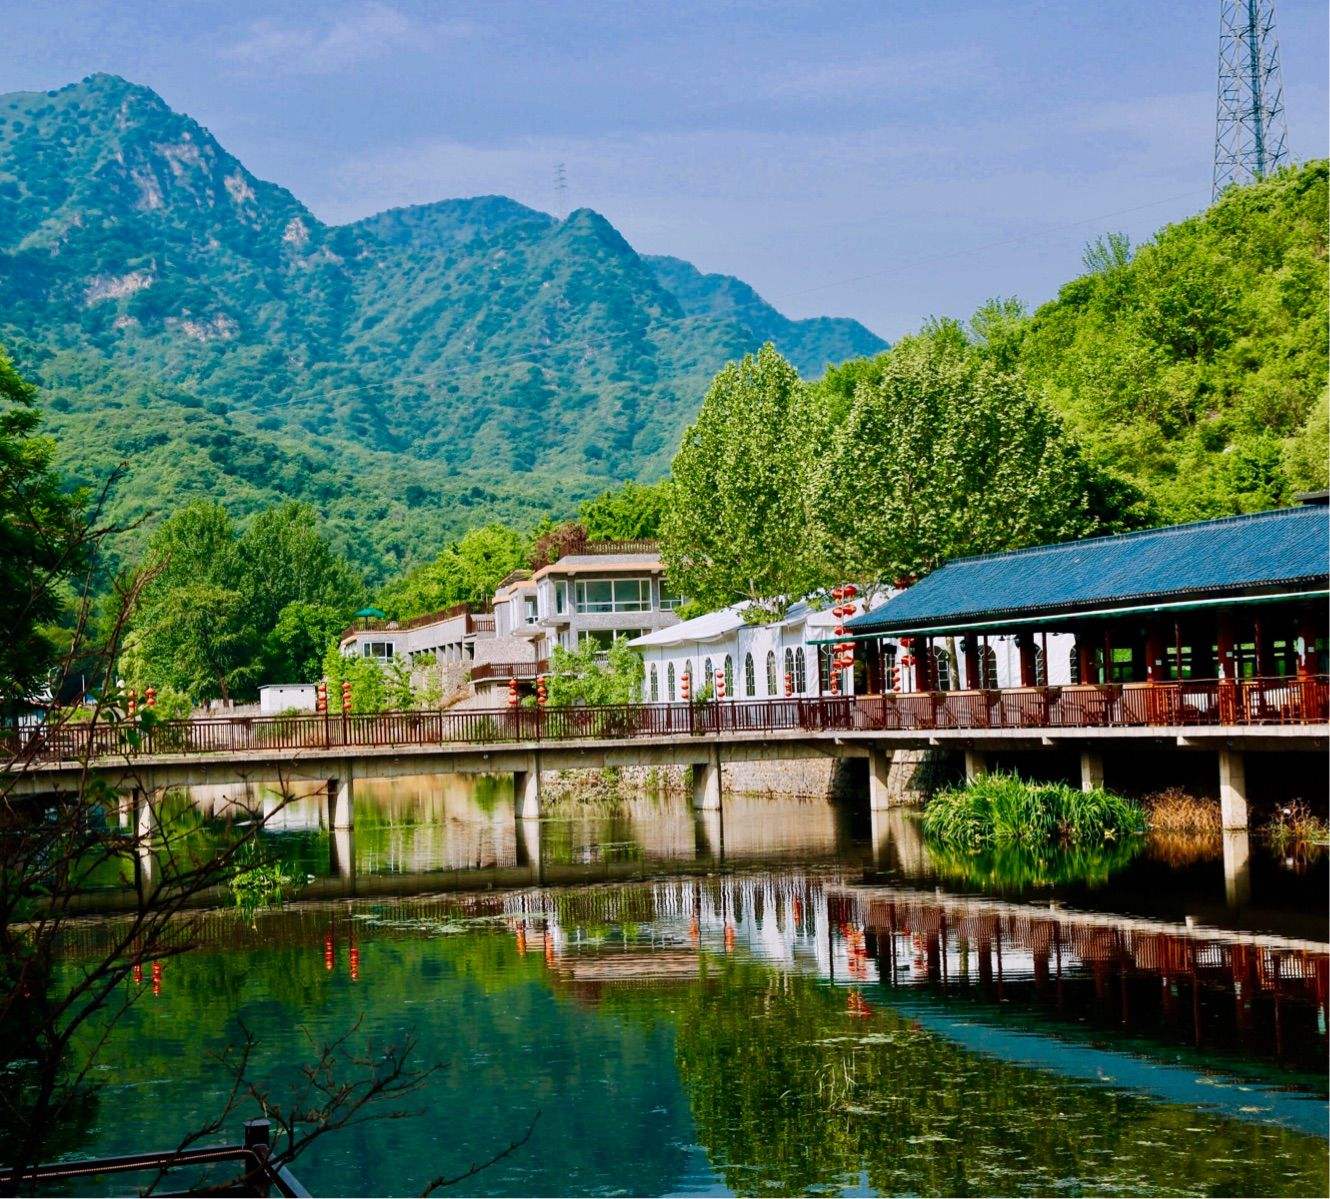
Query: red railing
[[1134, 705]]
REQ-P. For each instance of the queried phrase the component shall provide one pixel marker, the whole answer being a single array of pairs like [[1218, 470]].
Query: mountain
[[411, 373]]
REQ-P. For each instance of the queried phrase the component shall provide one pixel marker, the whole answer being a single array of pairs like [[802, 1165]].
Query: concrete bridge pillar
[[976, 763], [1233, 788], [706, 785], [1237, 868], [1092, 769], [341, 800], [526, 791], [342, 853], [709, 834], [879, 788], [147, 836], [528, 850]]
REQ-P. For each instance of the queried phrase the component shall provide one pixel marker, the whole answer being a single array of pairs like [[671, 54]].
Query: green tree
[[632, 512], [369, 687], [467, 571], [198, 640], [940, 455], [43, 543], [293, 651], [737, 527], [584, 676]]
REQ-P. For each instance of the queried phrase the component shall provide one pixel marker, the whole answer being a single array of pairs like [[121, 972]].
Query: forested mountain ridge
[[399, 371]]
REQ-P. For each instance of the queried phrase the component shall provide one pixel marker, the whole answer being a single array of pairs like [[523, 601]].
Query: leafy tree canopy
[[583, 676], [466, 571], [42, 543], [632, 512]]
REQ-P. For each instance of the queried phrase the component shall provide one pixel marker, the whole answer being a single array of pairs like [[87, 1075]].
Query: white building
[[603, 591], [791, 658]]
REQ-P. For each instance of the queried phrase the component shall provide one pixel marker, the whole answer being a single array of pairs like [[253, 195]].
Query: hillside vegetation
[[1196, 366], [412, 374]]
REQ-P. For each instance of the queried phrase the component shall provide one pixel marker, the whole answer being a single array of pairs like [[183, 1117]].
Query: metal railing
[[1272, 701], [259, 1176], [529, 669]]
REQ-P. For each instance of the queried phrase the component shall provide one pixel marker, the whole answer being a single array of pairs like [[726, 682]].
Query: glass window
[[750, 676], [669, 598], [729, 676], [1040, 667], [800, 672], [788, 680], [559, 597], [383, 650], [771, 672], [529, 609], [1074, 660], [613, 595], [708, 675], [988, 667], [655, 685], [669, 682], [942, 668]]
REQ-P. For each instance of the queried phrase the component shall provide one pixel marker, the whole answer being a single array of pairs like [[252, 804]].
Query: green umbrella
[[372, 614]]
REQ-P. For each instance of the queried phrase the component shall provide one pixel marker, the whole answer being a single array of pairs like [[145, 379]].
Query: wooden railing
[[1274, 701], [509, 670]]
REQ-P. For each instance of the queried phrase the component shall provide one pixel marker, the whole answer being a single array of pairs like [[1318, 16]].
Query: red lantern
[[321, 697], [346, 697], [541, 693], [512, 693], [789, 685], [720, 684], [686, 687], [150, 697]]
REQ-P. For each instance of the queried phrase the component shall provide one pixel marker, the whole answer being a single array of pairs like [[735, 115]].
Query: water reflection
[[774, 1031]]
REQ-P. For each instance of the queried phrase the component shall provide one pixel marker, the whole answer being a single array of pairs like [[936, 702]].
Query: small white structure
[[287, 697]]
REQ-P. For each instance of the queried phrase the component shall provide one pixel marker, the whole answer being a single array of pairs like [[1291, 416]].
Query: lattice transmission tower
[[1251, 134]]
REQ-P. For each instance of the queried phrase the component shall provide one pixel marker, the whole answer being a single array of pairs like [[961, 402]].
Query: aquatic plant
[[1000, 810], [1174, 810], [260, 879], [1294, 825]]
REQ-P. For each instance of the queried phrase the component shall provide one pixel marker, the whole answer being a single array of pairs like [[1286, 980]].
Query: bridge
[[1230, 718]]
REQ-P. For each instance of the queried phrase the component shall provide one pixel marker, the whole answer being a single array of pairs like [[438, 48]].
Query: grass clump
[[1002, 810], [1174, 810], [1295, 825]]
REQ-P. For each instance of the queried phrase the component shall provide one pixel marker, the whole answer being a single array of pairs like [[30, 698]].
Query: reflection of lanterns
[[729, 938], [138, 972], [156, 978], [694, 931], [857, 1006], [328, 952], [353, 960], [521, 939], [549, 948]]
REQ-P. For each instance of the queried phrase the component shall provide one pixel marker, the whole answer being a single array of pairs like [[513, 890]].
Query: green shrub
[[1001, 810]]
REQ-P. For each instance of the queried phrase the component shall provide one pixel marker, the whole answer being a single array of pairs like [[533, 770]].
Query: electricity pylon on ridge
[[1251, 132]]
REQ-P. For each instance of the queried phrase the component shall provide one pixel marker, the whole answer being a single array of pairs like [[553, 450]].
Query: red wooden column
[[970, 648], [1155, 667], [1025, 646], [1307, 664], [1085, 657]]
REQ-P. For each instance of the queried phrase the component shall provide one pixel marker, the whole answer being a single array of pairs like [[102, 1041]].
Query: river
[[791, 998]]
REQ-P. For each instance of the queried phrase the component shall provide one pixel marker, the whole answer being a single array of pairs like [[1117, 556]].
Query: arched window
[[655, 685], [1074, 661], [729, 676], [942, 676], [800, 672], [750, 676], [669, 682], [771, 672], [789, 671], [708, 678], [1040, 667], [988, 667]]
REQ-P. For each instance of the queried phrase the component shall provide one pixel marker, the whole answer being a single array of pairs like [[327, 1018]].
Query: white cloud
[[353, 35]]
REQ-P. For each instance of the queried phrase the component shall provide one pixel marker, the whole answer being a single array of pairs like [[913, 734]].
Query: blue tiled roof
[[1285, 547]]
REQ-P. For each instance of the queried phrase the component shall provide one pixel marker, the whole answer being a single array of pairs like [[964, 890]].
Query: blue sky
[[886, 160]]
